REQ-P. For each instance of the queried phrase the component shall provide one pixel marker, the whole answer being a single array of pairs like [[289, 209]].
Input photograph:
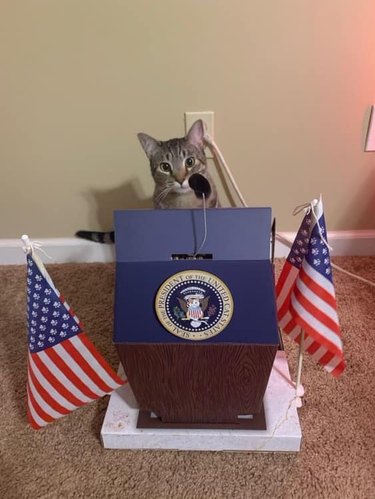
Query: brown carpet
[[66, 458]]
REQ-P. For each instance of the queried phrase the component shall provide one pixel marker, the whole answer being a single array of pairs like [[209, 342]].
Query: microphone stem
[[205, 225]]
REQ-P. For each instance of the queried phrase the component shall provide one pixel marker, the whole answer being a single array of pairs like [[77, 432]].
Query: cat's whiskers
[[162, 194]]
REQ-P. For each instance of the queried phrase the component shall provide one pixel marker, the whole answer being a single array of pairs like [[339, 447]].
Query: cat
[[173, 162]]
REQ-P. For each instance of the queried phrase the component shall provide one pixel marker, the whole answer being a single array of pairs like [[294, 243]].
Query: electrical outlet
[[207, 117]]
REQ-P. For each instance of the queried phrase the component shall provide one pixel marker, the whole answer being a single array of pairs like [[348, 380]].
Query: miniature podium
[[195, 317]]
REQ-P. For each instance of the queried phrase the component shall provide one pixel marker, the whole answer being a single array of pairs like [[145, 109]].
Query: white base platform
[[283, 434]]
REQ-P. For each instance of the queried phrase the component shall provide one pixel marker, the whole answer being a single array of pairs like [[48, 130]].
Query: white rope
[[30, 248], [214, 148], [216, 151], [309, 208], [359, 278]]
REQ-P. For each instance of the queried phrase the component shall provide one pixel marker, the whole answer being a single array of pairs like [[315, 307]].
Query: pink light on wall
[[370, 138]]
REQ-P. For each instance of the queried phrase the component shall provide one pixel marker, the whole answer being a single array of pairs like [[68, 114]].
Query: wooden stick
[[299, 387]]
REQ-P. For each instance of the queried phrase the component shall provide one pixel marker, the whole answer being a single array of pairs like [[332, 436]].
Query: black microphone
[[200, 185]]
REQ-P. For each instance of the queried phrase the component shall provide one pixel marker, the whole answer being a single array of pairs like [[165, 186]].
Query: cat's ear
[[149, 144], [196, 133]]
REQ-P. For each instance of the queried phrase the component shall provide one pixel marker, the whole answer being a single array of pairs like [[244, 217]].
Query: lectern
[[195, 317]]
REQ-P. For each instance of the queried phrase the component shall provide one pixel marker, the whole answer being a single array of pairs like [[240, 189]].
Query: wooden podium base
[[283, 433], [251, 422]]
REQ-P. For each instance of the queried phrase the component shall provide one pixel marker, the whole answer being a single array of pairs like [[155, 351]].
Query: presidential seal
[[194, 305]]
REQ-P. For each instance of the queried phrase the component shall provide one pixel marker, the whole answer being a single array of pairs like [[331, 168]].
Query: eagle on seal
[[194, 306]]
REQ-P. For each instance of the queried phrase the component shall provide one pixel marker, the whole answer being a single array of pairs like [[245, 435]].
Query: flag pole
[[299, 387]]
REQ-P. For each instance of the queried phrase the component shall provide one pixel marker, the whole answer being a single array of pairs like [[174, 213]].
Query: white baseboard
[[343, 243], [74, 250], [61, 250]]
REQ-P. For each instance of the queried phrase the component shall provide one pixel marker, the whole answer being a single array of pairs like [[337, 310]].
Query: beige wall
[[290, 81]]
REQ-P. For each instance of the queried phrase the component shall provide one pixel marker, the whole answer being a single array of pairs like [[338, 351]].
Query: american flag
[[65, 371], [306, 295]]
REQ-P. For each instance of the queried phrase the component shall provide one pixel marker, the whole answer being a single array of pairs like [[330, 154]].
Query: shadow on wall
[[103, 203]]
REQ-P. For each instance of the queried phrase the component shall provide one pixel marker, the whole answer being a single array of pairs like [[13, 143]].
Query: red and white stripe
[[306, 299], [313, 307], [65, 377], [284, 289]]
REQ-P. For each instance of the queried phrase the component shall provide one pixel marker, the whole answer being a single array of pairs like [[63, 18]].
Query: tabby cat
[[172, 164]]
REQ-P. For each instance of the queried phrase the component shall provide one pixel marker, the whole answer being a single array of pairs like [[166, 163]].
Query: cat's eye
[[190, 162], [165, 167]]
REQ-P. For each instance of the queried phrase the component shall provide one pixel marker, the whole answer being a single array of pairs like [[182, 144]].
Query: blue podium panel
[[155, 235], [250, 283], [162, 300]]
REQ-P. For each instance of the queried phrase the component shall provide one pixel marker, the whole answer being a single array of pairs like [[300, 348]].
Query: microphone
[[200, 185]]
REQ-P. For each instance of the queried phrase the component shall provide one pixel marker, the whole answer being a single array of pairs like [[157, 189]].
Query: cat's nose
[[180, 181]]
